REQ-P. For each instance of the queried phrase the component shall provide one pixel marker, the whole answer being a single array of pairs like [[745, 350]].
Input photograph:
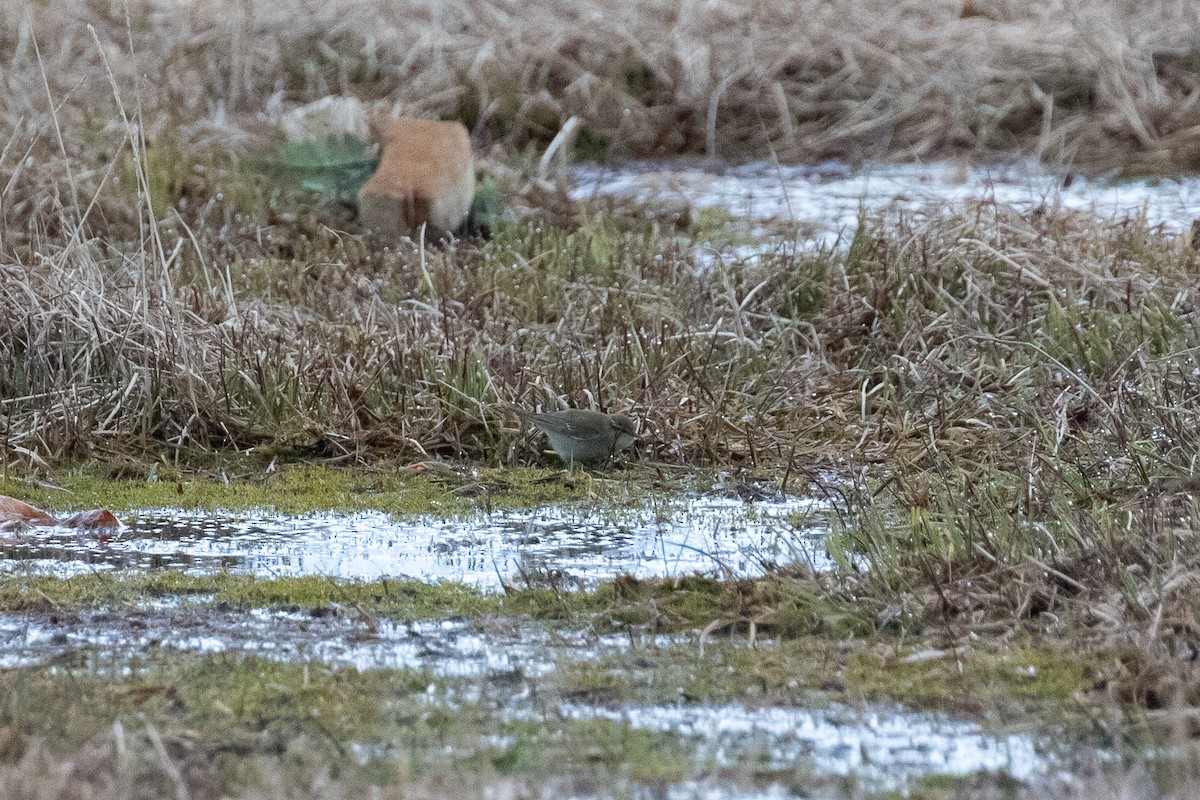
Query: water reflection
[[503, 663], [444, 647], [824, 201], [883, 749], [682, 536]]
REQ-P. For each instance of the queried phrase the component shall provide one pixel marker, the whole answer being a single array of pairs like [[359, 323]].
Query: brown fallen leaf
[[97, 520], [14, 510]]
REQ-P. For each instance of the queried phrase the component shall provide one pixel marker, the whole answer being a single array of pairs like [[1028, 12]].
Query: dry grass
[[957, 336], [155, 293], [405, 353], [1093, 85]]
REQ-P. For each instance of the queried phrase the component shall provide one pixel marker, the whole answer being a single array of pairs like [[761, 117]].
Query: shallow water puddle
[[503, 666], [825, 200], [671, 537], [444, 647], [883, 747]]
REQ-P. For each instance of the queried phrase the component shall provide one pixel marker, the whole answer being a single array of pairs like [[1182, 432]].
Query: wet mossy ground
[[654, 605], [224, 718], [784, 663], [1012, 684], [404, 599], [216, 712], [774, 606], [402, 489], [792, 639], [785, 641]]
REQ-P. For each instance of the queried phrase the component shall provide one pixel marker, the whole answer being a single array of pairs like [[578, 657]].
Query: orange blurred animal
[[426, 176]]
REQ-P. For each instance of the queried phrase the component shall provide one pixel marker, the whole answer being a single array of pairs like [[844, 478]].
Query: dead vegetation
[[1087, 85], [940, 335], [158, 294]]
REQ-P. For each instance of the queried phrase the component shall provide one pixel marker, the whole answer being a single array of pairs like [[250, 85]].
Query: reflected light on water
[[677, 537]]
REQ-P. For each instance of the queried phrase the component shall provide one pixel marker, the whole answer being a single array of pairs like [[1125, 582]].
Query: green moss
[[683, 604], [1006, 680], [774, 606], [399, 599], [719, 226], [638, 755], [995, 785], [245, 708], [186, 179], [770, 607], [812, 671], [239, 704], [301, 489]]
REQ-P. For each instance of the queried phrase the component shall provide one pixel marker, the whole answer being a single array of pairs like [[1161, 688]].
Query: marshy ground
[[950, 442]]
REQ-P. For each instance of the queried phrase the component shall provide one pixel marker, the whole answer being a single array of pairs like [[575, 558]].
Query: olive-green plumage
[[584, 437]]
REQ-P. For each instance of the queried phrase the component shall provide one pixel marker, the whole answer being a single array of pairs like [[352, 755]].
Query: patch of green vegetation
[[1094, 342], [590, 146], [807, 278], [248, 707], [404, 599], [777, 608], [333, 167], [213, 694], [1012, 683], [235, 706], [400, 599], [158, 172], [719, 227], [640, 755], [218, 716], [306, 489], [774, 606], [992, 785], [488, 209], [186, 180]]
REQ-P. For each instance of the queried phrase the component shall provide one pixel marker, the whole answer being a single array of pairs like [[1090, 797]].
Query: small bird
[[584, 437]]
